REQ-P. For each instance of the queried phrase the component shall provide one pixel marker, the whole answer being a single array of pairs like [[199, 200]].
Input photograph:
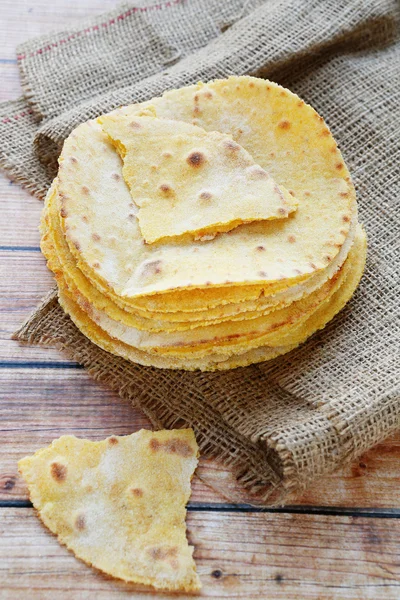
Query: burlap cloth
[[282, 423]]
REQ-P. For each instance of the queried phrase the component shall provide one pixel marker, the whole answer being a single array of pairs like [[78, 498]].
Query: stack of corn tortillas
[[208, 229]]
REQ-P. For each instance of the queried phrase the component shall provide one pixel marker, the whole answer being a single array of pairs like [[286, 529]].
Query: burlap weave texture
[[282, 423]]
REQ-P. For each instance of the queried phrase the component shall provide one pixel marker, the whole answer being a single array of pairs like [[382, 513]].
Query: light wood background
[[340, 541]]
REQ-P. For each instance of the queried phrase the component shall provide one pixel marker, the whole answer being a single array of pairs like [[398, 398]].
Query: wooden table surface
[[340, 541]]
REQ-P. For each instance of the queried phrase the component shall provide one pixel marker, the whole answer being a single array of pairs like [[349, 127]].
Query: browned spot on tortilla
[[291, 239], [135, 125], [231, 146], [196, 97], [257, 172], [328, 258], [196, 159], [282, 211], [77, 245], [84, 218], [58, 471], [196, 110], [137, 492], [166, 189], [116, 176], [339, 166], [85, 304], [260, 248], [96, 265], [300, 103], [297, 271], [283, 93], [85, 189], [63, 213], [154, 445], [262, 274], [163, 553], [333, 149], [346, 219], [96, 237], [73, 159], [205, 195], [313, 266], [278, 191], [208, 95], [291, 192], [284, 124], [251, 84], [80, 522], [272, 154], [307, 194], [152, 268], [343, 232], [166, 154], [324, 132], [344, 194], [177, 446], [112, 441], [174, 564]]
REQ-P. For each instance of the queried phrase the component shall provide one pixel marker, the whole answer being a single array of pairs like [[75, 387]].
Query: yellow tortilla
[[215, 361], [91, 299], [230, 337], [286, 137], [212, 362], [189, 182], [223, 337], [119, 504]]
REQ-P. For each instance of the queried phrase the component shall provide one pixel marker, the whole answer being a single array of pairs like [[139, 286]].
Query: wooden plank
[[39, 405], [20, 212], [238, 556], [24, 280], [370, 481]]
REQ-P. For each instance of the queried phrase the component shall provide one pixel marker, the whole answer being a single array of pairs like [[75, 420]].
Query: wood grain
[[279, 556], [24, 280], [20, 214]]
